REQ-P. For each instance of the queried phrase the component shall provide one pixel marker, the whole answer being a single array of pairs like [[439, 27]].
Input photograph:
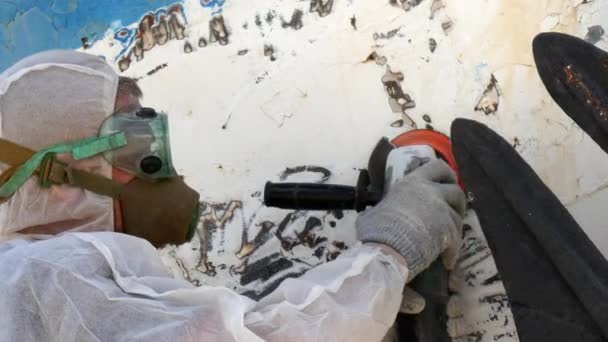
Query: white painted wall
[[238, 121]]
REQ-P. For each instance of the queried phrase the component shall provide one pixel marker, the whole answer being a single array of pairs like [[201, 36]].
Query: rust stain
[[211, 222], [375, 57], [574, 79]]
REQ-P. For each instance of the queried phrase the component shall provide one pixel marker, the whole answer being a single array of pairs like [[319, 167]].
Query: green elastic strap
[[81, 149], [94, 146]]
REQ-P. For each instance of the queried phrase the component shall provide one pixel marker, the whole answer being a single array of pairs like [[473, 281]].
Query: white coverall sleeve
[[353, 298], [114, 287]]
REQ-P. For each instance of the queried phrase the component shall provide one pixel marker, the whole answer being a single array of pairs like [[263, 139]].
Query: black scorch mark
[[306, 237], [269, 52], [217, 31], [258, 21], [594, 34], [319, 252], [334, 251], [325, 173], [322, 7], [295, 22], [397, 124], [258, 80], [488, 103], [187, 47], [516, 142], [353, 22], [493, 279], [432, 45], [242, 52], [387, 35], [338, 214], [472, 246], [85, 43], [405, 4], [332, 256], [447, 26], [250, 246], [257, 295], [157, 69], [202, 42], [340, 245], [265, 268], [500, 302], [270, 17], [289, 218]]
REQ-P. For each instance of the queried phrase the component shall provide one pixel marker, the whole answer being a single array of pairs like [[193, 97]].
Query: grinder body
[[429, 325]]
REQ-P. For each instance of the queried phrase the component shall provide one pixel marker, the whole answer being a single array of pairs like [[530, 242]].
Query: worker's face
[[126, 102]]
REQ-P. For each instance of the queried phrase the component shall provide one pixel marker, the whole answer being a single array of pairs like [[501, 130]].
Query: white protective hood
[[48, 98]]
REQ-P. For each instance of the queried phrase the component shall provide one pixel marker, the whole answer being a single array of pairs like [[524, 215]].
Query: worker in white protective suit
[[67, 276]]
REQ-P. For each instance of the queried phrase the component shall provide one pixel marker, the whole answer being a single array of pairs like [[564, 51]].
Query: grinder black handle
[[310, 196], [315, 196]]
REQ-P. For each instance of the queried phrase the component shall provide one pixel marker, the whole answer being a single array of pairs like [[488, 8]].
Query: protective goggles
[[147, 153], [156, 205]]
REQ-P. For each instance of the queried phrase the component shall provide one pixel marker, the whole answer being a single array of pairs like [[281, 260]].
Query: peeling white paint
[[319, 103]]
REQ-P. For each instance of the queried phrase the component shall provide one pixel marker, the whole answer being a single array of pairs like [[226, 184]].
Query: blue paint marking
[[29, 26], [479, 69], [126, 37], [215, 5]]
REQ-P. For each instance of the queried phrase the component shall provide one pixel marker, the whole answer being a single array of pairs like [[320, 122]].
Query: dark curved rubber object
[[555, 277], [430, 324], [584, 94]]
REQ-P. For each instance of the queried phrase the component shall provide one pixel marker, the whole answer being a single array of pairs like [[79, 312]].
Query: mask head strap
[[52, 171]]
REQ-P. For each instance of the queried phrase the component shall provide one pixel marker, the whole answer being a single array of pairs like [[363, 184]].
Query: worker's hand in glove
[[420, 217]]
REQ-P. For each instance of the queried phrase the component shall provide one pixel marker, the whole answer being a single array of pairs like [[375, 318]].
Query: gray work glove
[[420, 217]]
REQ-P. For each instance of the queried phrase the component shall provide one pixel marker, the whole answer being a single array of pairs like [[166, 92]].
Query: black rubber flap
[[576, 75], [556, 279]]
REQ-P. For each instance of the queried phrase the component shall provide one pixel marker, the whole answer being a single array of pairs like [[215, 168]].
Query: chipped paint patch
[[436, 7], [398, 100], [488, 103], [376, 58], [217, 31], [154, 29]]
